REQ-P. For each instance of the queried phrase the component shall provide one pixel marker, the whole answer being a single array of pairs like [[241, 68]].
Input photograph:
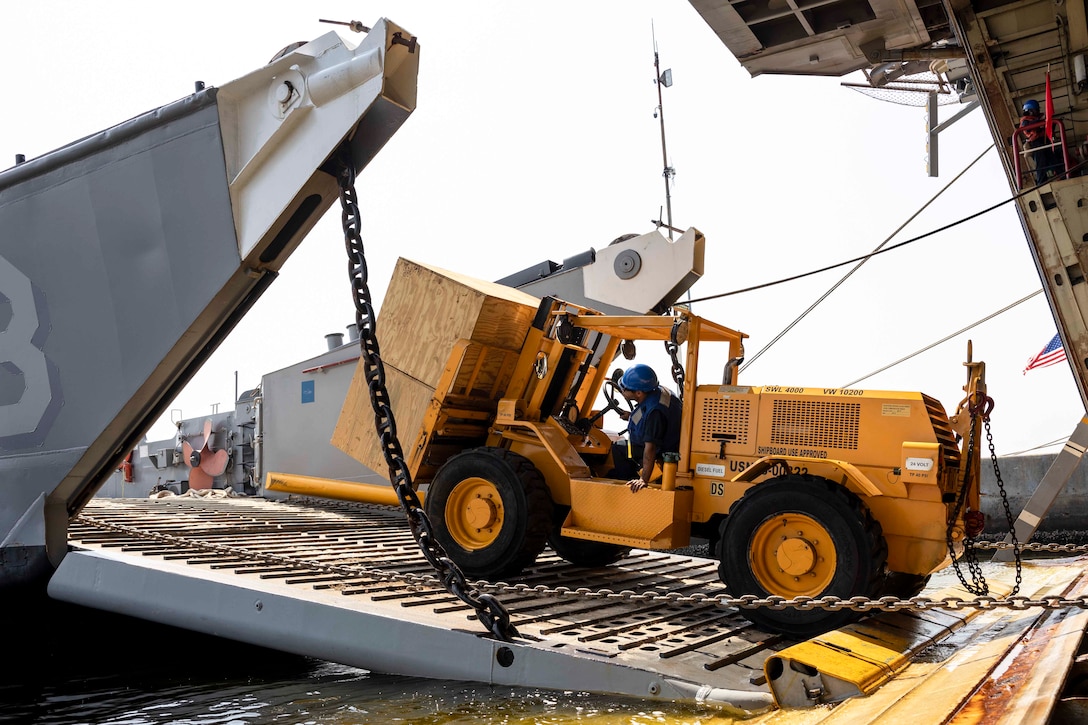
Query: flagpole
[[1049, 118]]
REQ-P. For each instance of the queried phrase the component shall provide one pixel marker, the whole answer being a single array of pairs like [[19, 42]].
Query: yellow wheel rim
[[474, 513], [792, 555]]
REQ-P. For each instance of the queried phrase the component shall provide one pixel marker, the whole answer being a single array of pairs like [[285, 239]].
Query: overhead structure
[[827, 38], [997, 54], [634, 274]]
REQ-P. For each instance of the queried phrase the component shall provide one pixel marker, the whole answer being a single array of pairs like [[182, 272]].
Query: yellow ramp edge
[[857, 659], [1002, 666]]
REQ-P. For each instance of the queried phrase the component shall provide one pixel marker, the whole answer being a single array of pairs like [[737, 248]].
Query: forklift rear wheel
[[580, 552], [801, 536], [491, 511]]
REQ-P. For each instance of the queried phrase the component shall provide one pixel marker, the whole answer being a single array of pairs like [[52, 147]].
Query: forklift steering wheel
[[611, 393]]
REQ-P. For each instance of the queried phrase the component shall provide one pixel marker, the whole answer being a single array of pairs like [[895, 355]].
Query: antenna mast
[[663, 79]]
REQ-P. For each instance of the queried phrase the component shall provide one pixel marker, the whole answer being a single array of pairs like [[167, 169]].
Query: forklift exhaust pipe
[[727, 374]]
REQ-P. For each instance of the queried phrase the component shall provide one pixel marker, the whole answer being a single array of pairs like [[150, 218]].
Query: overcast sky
[[534, 138]]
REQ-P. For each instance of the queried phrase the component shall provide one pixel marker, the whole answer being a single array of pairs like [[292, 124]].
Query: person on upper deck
[[654, 426], [1045, 157]]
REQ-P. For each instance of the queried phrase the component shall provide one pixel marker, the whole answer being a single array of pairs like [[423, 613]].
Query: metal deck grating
[[346, 582], [312, 546]]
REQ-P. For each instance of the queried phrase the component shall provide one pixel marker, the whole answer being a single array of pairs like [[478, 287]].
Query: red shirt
[[1037, 133]]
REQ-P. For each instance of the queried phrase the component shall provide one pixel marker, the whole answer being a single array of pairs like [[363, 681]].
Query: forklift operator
[[654, 426]]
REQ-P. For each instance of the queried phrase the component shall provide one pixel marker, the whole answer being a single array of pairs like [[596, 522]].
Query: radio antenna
[[663, 79]]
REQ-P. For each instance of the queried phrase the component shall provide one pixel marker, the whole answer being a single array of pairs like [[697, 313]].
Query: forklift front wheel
[[491, 511], [478, 513], [801, 536]]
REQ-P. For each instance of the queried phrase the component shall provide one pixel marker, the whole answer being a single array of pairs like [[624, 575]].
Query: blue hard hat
[[640, 378], [1031, 106]]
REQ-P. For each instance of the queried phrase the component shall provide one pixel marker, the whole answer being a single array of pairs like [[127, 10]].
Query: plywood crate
[[425, 312], [355, 432]]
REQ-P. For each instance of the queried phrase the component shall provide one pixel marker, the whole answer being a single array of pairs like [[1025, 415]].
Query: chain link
[[489, 610], [1033, 546], [829, 603], [981, 407], [978, 585], [672, 346], [1010, 520], [747, 601]]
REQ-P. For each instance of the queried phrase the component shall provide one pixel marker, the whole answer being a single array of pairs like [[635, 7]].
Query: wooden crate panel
[[484, 373], [427, 309], [355, 433]]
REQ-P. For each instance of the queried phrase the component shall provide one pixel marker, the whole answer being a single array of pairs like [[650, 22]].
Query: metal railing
[[1020, 148]]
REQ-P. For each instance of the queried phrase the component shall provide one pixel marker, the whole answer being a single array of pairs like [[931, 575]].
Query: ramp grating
[[367, 553]]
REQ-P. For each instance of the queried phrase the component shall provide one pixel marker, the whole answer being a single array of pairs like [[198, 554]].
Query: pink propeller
[[204, 464]]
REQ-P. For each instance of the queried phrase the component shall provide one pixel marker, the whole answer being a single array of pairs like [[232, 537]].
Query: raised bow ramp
[[127, 256]]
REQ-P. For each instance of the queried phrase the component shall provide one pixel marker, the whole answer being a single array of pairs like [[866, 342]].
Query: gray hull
[[126, 258]]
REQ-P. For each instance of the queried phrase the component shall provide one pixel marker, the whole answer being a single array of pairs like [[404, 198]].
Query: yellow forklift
[[801, 491]]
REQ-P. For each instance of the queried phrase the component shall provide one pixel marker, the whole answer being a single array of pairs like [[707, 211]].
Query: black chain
[[978, 585], [1005, 504], [981, 406], [672, 346], [489, 610]]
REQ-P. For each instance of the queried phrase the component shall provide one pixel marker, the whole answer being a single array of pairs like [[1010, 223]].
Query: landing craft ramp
[[346, 583]]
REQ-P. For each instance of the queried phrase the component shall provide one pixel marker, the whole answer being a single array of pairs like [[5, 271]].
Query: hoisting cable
[[1054, 442], [857, 266], [489, 610], [974, 324], [904, 243]]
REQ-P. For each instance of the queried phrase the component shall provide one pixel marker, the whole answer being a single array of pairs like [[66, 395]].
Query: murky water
[[63, 665]]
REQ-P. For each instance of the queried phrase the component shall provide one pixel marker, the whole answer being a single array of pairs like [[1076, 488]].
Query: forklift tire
[[801, 536], [580, 552], [491, 511]]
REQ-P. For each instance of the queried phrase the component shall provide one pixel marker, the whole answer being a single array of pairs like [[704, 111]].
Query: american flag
[[1052, 354]]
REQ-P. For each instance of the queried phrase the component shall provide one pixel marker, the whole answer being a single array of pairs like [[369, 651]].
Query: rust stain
[[990, 702]]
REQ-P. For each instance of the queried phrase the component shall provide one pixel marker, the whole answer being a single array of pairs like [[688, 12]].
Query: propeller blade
[[187, 453], [199, 479], [216, 463], [207, 433]]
